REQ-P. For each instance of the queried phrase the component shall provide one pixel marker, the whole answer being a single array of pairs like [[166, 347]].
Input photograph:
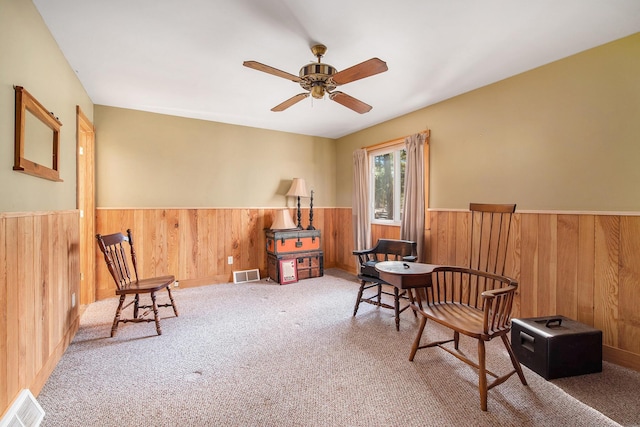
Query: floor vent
[[246, 276], [25, 412]]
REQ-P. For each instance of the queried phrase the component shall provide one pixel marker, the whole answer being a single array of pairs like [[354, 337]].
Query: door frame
[[85, 203]]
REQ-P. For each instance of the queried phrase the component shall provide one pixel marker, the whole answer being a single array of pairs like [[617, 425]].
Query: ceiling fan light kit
[[319, 79]]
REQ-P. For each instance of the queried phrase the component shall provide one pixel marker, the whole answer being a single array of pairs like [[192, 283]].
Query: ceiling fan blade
[[270, 70], [289, 102], [364, 69], [350, 102]]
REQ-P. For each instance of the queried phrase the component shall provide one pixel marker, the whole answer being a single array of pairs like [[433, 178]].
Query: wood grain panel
[[461, 239], [528, 279], [629, 285], [584, 266], [567, 277], [579, 265], [512, 264], [607, 241], [4, 389], [590, 265], [12, 307], [547, 265], [379, 231], [194, 244], [39, 273], [586, 270]]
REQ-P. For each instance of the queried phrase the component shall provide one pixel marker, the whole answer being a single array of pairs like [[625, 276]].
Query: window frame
[[397, 183]]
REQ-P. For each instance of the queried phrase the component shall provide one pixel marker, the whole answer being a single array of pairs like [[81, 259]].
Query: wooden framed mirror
[[37, 138]]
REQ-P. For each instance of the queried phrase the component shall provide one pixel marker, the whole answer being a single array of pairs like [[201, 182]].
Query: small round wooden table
[[406, 275]]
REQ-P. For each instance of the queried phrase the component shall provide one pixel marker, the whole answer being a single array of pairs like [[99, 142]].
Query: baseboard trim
[[621, 357], [54, 358]]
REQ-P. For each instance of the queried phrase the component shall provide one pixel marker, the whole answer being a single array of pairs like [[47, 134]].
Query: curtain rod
[[395, 140]]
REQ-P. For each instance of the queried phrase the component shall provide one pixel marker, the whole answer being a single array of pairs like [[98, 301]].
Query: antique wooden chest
[[556, 347], [301, 245]]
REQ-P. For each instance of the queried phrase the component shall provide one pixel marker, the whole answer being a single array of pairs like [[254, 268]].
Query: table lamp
[[298, 189], [282, 220]]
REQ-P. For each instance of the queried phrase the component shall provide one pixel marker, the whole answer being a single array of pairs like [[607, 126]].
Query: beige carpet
[[260, 354]]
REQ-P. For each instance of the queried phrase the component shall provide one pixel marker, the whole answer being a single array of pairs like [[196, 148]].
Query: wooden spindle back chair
[[128, 282], [477, 300]]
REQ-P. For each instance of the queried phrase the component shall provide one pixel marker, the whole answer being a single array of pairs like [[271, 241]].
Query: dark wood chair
[[473, 303], [384, 250], [115, 255]]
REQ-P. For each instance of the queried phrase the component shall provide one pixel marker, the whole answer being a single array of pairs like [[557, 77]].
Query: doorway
[[86, 204]]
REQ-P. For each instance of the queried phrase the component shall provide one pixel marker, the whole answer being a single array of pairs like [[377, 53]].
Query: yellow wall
[[30, 57], [154, 160], [564, 136]]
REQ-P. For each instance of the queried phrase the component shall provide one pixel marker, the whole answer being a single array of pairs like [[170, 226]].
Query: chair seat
[[459, 317], [147, 285]]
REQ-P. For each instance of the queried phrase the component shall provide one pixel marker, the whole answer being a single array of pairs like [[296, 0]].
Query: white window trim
[[397, 184]]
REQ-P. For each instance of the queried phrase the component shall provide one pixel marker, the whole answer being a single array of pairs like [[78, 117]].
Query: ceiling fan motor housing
[[315, 75]]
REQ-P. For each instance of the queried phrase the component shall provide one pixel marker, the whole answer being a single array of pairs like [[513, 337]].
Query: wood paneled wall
[[194, 244], [39, 272], [583, 266]]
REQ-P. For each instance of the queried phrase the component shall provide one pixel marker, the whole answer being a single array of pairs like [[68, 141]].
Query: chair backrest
[[115, 255], [491, 293], [490, 228], [393, 250]]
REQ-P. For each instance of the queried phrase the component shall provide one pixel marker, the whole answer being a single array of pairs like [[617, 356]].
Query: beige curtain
[[412, 226], [360, 205]]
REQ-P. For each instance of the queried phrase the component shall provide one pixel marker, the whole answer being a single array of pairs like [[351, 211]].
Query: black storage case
[[556, 347]]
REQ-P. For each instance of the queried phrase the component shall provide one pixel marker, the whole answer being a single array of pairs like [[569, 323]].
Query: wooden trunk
[[301, 245]]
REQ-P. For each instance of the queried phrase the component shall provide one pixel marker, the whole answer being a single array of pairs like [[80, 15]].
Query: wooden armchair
[[384, 250], [115, 255], [473, 303]]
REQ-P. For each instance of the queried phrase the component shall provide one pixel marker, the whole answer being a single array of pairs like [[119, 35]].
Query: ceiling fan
[[318, 78]]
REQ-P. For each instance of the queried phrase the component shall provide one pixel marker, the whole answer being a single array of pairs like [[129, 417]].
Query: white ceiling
[[184, 57]]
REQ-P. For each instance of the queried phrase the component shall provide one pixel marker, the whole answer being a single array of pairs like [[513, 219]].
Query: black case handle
[[553, 320]]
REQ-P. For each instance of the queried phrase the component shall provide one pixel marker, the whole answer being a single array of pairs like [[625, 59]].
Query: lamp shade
[[282, 220], [298, 188]]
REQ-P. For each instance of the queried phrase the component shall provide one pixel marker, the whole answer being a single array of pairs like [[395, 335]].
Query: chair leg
[[514, 360], [136, 306], [155, 313], [456, 340], [379, 294], [396, 307], [173, 304], [355, 310], [416, 341], [116, 318], [482, 375], [412, 301]]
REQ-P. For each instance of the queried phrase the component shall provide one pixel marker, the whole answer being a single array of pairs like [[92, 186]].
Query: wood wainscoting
[[583, 266], [194, 244], [39, 274]]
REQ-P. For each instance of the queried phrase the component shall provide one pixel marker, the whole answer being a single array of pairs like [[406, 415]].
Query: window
[[387, 184]]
